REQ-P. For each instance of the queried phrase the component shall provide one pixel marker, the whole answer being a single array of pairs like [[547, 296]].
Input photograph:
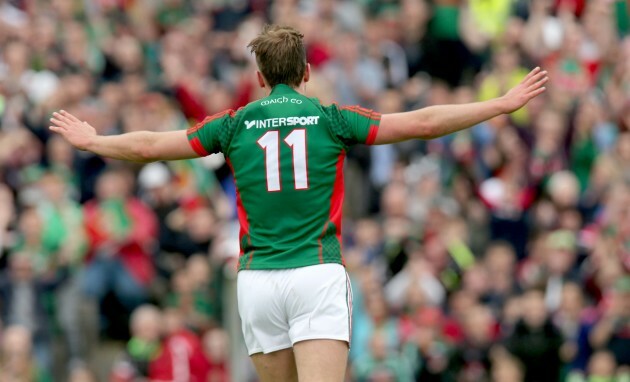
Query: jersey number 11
[[270, 142]]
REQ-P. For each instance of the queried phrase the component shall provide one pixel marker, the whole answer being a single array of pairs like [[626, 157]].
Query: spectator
[[507, 369], [121, 232], [560, 266], [611, 332], [381, 364], [376, 318], [548, 155], [500, 262], [569, 319], [208, 278], [16, 360], [190, 301], [30, 240], [63, 232], [216, 346], [427, 350], [348, 71], [472, 358], [535, 341], [187, 359], [602, 366], [418, 273], [144, 347], [22, 293], [160, 194]]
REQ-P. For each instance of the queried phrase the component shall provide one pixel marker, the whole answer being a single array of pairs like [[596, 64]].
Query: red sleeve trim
[[209, 119], [367, 113], [371, 135], [196, 145]]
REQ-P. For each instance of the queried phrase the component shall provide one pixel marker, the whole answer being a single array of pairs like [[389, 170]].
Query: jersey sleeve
[[360, 125], [210, 135]]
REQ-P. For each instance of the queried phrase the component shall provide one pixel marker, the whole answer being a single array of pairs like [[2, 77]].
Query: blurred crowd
[[501, 253]]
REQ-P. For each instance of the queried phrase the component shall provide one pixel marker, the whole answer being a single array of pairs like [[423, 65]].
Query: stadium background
[[500, 253]]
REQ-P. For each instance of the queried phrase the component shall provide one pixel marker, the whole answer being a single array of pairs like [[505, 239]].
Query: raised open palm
[[75, 131], [521, 94]]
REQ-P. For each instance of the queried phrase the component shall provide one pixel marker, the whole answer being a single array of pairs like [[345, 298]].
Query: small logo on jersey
[[283, 99], [279, 122]]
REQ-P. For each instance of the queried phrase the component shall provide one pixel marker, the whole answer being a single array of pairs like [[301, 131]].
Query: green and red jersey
[[286, 152]]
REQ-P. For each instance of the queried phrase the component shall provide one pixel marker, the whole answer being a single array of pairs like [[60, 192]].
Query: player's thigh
[[260, 296], [320, 304], [321, 360], [276, 366]]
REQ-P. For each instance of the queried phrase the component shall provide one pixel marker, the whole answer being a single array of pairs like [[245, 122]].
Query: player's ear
[[261, 79], [307, 73]]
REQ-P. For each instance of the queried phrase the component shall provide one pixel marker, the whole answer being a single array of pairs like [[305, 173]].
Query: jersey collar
[[282, 89]]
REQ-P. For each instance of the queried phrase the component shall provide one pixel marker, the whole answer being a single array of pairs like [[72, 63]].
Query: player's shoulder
[[358, 109], [338, 112], [255, 104], [338, 108], [224, 115], [329, 108], [230, 115]]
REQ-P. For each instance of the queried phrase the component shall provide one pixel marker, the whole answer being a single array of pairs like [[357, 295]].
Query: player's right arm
[[140, 146], [436, 121]]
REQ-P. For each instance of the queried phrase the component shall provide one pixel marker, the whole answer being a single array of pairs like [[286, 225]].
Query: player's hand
[[521, 94], [78, 133]]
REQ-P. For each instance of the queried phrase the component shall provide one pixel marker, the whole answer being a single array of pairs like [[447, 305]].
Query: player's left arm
[[436, 121], [139, 146]]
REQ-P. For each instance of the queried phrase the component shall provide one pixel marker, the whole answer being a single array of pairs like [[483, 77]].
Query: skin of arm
[[143, 146], [139, 146], [436, 121]]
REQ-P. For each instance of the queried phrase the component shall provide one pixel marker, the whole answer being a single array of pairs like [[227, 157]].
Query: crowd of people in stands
[[501, 253]]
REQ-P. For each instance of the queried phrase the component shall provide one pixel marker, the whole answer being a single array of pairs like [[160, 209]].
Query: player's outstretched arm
[[436, 121], [140, 146]]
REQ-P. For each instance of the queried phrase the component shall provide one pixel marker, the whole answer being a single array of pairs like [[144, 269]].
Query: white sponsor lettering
[[283, 99], [279, 122]]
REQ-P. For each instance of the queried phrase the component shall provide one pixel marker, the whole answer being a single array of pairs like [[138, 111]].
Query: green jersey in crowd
[[286, 152]]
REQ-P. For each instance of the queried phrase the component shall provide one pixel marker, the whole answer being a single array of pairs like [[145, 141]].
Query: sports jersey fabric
[[286, 152]]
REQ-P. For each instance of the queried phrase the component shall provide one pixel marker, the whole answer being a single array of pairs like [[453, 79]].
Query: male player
[[286, 152]]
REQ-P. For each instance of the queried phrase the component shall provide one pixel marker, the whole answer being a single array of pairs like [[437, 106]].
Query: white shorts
[[281, 307]]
